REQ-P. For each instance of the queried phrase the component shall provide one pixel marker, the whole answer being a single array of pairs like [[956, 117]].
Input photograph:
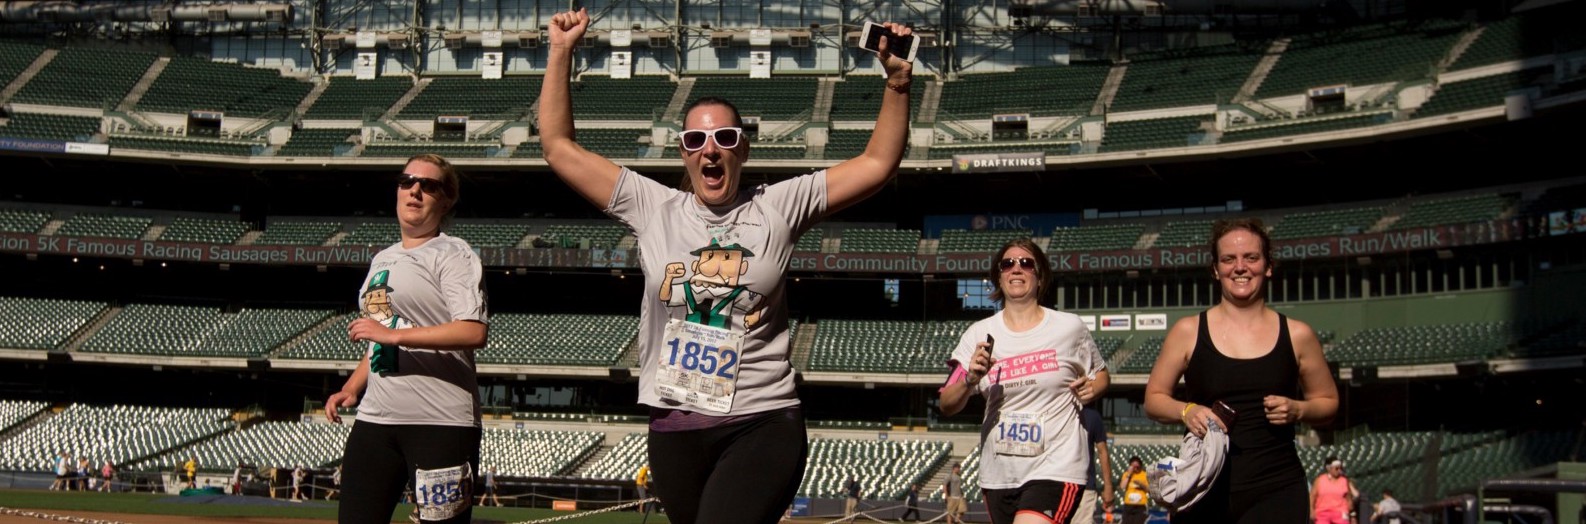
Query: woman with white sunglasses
[[1036, 368], [727, 440]]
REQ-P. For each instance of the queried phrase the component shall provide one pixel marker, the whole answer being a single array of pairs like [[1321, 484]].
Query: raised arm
[[591, 175], [859, 177]]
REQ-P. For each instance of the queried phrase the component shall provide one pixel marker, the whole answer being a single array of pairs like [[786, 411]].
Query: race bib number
[[442, 493], [699, 366], [1018, 433]]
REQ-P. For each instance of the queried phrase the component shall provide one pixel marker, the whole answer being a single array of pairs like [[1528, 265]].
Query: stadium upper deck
[[1307, 89]]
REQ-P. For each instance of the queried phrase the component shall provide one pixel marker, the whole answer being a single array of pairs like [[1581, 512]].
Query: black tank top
[[1260, 455]]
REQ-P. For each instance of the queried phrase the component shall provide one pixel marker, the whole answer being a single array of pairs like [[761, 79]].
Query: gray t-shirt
[[433, 284], [728, 265], [954, 487]]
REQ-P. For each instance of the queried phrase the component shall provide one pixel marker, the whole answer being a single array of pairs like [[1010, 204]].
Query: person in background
[[490, 488], [106, 474], [1387, 510], [1332, 495], [191, 467], [953, 491], [911, 503], [851, 503], [1135, 494], [1096, 491]]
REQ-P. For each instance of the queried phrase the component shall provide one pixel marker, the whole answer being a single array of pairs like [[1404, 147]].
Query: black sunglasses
[[1025, 262], [428, 185], [725, 137]]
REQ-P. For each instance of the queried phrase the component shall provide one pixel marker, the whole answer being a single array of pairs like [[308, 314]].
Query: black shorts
[[1052, 500]]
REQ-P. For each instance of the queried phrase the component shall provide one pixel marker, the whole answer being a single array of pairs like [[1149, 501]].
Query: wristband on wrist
[[1183, 415], [901, 87]]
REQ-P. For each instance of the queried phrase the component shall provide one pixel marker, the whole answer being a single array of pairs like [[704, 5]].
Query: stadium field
[[142, 508]]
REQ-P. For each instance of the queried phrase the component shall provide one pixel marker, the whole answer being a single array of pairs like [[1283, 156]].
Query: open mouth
[[714, 175]]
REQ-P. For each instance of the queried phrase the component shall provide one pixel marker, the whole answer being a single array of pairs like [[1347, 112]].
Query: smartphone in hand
[[904, 47], [1226, 413]]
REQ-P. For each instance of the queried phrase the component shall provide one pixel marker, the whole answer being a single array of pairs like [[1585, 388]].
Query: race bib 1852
[[442, 493], [698, 365]]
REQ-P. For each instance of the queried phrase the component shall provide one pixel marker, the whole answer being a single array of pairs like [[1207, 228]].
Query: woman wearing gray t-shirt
[[424, 314], [726, 439]]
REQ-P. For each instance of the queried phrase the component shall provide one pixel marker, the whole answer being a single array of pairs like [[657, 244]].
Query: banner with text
[[953, 263], [999, 162]]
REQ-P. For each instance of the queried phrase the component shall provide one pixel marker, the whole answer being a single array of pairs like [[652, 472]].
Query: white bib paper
[[699, 365], [442, 493], [1018, 433]]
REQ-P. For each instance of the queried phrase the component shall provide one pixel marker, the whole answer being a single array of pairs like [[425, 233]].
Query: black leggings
[[740, 473], [381, 459]]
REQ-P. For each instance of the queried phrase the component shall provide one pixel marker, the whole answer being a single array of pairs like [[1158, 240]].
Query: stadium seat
[[189, 84], [64, 81], [169, 330], [558, 339], [1095, 238], [118, 434], [296, 233], [347, 98], [22, 220], [857, 240], [203, 230]]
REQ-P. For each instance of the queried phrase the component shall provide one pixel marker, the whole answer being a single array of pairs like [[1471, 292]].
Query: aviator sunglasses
[[1025, 262], [428, 185], [725, 137]]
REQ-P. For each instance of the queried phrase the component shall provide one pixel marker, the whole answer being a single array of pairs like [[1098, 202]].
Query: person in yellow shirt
[[642, 480], [192, 471], [1135, 496]]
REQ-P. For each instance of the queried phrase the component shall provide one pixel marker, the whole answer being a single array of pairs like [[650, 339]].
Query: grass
[[149, 504]]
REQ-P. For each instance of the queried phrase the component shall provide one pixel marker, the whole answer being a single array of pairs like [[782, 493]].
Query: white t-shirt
[[435, 283], [758, 232], [1029, 408]]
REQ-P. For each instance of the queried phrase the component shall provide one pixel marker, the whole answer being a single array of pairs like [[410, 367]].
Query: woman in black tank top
[[1257, 362]]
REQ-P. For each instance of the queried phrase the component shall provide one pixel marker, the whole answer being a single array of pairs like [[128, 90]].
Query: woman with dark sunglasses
[[1251, 359], [1037, 368], [727, 437], [424, 314]]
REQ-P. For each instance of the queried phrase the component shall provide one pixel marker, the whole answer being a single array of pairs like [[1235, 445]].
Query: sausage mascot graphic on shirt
[[377, 306], [714, 292]]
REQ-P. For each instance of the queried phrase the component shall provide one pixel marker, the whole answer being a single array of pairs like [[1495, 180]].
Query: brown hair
[[1043, 268], [1223, 227]]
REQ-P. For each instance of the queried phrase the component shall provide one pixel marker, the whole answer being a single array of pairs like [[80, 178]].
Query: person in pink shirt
[[1332, 495]]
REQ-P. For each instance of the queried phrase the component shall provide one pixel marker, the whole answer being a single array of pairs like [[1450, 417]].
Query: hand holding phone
[[981, 361], [1226, 414], [904, 47]]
